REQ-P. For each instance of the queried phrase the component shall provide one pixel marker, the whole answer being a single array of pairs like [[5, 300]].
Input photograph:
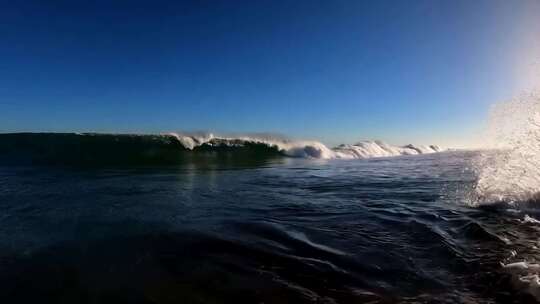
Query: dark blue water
[[281, 230]]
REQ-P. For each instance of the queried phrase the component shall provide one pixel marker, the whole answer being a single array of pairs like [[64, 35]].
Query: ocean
[[134, 219]]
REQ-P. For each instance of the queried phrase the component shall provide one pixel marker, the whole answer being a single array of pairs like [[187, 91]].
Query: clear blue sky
[[336, 71]]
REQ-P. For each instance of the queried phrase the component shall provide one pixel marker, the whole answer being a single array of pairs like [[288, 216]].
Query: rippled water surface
[[277, 231]]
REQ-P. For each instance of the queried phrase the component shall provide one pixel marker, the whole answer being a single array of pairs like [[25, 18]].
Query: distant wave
[[307, 149], [91, 148]]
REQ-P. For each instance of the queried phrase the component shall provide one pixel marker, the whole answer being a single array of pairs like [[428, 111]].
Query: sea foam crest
[[307, 149], [366, 149]]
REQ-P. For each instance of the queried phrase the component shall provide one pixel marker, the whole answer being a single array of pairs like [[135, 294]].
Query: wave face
[[89, 148], [510, 170]]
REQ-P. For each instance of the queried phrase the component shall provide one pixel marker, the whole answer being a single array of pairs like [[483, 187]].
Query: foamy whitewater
[[509, 170], [508, 173], [308, 149]]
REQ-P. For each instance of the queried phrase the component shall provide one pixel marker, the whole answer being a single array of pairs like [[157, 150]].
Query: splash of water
[[509, 171]]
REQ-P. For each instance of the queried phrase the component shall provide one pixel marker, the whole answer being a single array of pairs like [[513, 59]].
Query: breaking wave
[[91, 148], [307, 149]]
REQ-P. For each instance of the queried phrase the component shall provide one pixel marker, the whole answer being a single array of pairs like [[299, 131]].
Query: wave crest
[[306, 149]]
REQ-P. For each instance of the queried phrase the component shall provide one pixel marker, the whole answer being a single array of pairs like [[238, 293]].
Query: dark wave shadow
[[187, 267]]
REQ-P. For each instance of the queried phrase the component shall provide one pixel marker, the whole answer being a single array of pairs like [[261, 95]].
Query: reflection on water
[[220, 229]]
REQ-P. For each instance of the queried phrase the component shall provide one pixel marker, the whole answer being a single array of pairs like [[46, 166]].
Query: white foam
[[530, 220], [366, 149], [308, 149], [510, 170], [526, 276]]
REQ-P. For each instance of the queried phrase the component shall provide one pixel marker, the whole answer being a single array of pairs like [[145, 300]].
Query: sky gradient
[[335, 71]]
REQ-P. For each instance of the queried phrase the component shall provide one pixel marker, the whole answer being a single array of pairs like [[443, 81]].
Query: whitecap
[[307, 149]]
